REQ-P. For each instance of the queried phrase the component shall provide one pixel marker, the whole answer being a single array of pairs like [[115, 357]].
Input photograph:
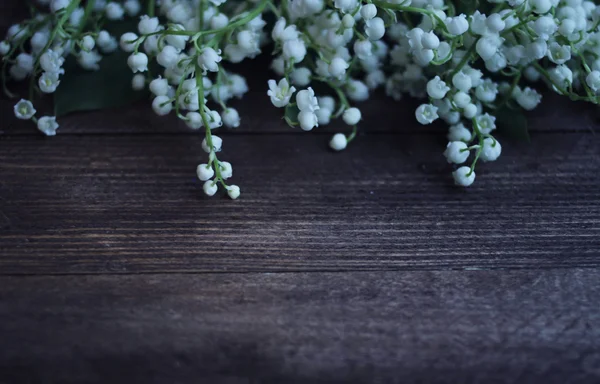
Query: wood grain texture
[[105, 204], [108, 248], [381, 327]]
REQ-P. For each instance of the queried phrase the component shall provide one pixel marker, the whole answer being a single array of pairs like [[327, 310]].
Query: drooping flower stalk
[[469, 67]]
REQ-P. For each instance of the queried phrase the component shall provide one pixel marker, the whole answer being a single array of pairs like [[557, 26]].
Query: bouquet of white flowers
[[466, 58]]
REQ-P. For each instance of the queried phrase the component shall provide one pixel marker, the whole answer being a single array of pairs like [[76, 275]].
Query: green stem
[[398, 7], [583, 63], [231, 26], [219, 83], [151, 7], [563, 91], [3, 75], [469, 149], [202, 103], [61, 22], [513, 85], [201, 14], [594, 27], [312, 43], [202, 111], [178, 91], [344, 104], [511, 29], [243, 21], [479, 150], [59, 26], [465, 59], [352, 135], [274, 9], [451, 10], [89, 8]]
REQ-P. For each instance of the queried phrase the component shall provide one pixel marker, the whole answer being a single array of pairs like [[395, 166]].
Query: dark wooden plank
[[105, 204], [411, 327]]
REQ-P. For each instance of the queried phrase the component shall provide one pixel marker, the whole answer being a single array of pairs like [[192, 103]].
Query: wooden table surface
[[366, 266]]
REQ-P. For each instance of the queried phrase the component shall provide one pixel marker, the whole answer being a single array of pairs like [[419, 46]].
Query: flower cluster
[[469, 60], [36, 49]]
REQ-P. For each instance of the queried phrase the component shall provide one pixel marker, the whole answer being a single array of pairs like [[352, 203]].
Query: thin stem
[[583, 63], [479, 150], [89, 8], [202, 111], [465, 59], [201, 17], [238, 23], [61, 22], [202, 103], [151, 7], [508, 96], [243, 21], [343, 100], [514, 27], [59, 27], [352, 135], [178, 91], [274, 9], [563, 91], [398, 7]]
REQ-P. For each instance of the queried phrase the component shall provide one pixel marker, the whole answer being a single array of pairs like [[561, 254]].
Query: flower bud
[[463, 176], [456, 152], [351, 116], [205, 172], [338, 142], [368, 11]]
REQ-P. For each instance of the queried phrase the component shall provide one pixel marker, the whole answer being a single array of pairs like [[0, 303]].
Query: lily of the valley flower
[[47, 125], [24, 110], [280, 93]]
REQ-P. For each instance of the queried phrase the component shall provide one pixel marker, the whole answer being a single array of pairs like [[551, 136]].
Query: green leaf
[[291, 114], [110, 86], [512, 123]]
